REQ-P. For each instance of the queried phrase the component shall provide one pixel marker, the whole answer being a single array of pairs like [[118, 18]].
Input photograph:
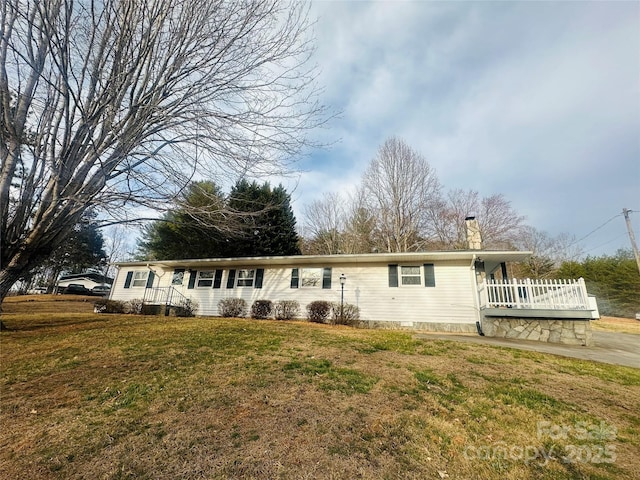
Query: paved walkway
[[614, 348]]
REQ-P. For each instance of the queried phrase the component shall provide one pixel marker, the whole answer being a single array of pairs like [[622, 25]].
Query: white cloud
[[539, 101]]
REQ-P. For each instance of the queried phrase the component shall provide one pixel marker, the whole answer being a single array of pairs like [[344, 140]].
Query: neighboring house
[[438, 291], [87, 280]]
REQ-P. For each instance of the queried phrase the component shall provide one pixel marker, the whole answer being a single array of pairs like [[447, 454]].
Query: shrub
[[108, 306], [232, 308], [261, 309], [287, 310], [187, 308], [350, 314], [318, 311], [133, 306]]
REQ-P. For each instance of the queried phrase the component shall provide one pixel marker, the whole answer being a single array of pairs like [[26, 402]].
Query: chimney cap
[[471, 217]]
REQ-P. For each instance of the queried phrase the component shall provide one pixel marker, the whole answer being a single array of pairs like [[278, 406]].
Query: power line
[[601, 245], [596, 229]]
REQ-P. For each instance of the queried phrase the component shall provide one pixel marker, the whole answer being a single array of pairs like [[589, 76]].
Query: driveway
[[615, 348]]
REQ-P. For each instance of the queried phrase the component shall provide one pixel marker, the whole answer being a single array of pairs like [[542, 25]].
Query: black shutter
[[192, 278], [150, 279], [231, 279], [393, 275], [259, 277], [295, 279], [429, 275], [127, 281], [217, 281], [326, 278]]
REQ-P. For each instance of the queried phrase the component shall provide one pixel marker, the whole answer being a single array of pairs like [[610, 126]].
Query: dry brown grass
[[114, 396], [30, 304], [617, 324]]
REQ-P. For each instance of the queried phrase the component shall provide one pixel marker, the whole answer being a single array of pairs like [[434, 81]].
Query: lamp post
[[343, 280]]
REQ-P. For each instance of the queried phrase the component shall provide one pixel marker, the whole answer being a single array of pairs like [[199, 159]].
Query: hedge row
[[318, 311], [261, 309]]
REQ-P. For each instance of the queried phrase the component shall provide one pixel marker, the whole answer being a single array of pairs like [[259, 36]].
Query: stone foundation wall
[[427, 326], [567, 332]]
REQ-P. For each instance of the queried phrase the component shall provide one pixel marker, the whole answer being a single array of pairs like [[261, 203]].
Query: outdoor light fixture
[[343, 280]]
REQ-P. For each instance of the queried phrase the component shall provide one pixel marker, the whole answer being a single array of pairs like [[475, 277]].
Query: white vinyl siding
[[451, 300]]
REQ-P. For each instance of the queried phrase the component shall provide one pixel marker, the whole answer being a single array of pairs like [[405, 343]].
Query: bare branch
[[114, 104]]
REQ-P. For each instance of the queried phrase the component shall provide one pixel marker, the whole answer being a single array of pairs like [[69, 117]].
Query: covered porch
[[537, 297], [556, 311]]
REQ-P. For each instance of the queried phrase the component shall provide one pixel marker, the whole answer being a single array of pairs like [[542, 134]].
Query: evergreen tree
[[614, 280], [82, 250], [195, 228], [255, 220], [267, 223]]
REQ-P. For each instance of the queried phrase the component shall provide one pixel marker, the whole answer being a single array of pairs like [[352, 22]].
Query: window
[[140, 278], [410, 275], [178, 277], [310, 277], [205, 278], [245, 278]]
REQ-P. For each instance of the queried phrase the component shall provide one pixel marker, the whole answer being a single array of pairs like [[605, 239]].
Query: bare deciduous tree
[[119, 103], [500, 225], [548, 252], [399, 185], [360, 225], [324, 225]]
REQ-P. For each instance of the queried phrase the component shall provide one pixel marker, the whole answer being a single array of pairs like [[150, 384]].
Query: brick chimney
[[474, 239]]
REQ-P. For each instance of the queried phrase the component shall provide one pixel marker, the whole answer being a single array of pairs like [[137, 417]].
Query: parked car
[[102, 290], [76, 289], [37, 291]]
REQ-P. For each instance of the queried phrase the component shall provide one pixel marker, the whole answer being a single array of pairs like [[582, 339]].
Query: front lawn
[[115, 396]]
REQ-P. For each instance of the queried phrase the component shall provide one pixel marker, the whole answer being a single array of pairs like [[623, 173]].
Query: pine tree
[[268, 225], [195, 228]]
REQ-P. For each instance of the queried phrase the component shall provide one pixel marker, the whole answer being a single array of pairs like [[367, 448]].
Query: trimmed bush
[[261, 309], [232, 308], [318, 311], [133, 306], [350, 314], [187, 308], [108, 306], [287, 310]]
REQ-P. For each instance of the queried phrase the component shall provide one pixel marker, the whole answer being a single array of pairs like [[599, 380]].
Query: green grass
[[146, 397]]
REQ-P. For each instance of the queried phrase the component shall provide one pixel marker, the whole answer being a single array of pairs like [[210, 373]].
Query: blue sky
[[538, 101]]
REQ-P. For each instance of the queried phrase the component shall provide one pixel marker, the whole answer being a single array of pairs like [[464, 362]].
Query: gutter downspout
[[476, 300]]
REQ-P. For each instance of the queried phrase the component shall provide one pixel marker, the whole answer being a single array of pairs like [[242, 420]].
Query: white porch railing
[[164, 296], [535, 294]]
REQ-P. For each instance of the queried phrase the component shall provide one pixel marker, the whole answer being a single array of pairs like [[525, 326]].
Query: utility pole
[[632, 237]]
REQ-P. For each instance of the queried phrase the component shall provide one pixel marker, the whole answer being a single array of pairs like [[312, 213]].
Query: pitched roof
[[492, 256]]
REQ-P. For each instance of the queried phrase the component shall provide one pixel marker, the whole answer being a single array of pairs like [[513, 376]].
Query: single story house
[[450, 291]]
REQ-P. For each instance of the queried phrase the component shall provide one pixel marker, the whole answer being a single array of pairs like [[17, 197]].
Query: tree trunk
[[16, 268], [7, 279]]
